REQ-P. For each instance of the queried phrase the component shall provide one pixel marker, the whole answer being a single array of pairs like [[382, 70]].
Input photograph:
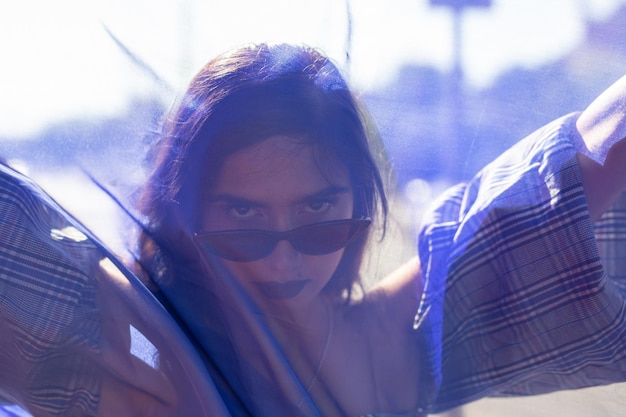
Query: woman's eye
[[318, 206], [242, 211]]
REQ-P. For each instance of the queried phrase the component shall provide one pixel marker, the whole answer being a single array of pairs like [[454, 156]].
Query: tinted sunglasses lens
[[252, 245], [238, 246], [321, 239]]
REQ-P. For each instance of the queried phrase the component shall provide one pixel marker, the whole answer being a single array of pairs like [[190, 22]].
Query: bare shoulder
[[386, 324], [395, 299]]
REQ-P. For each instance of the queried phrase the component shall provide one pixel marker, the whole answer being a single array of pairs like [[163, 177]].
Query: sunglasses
[[313, 239]]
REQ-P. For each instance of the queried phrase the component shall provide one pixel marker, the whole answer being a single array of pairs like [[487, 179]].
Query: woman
[[257, 216], [265, 168], [259, 211]]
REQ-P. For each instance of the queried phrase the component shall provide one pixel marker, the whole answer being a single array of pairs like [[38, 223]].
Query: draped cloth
[[74, 322], [524, 295]]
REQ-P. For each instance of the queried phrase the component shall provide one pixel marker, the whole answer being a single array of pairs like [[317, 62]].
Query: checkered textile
[[49, 324], [518, 300]]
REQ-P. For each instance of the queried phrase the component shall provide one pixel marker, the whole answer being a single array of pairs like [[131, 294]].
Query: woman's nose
[[284, 257]]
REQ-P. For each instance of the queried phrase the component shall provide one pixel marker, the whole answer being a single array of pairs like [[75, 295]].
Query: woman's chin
[[277, 291]]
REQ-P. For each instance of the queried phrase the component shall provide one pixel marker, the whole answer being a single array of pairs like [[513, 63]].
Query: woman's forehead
[[280, 165]]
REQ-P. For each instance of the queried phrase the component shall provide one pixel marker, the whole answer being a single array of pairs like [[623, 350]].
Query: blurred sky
[[58, 61]]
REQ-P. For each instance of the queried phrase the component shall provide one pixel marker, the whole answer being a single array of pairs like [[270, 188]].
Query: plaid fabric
[[518, 300], [49, 323], [73, 318]]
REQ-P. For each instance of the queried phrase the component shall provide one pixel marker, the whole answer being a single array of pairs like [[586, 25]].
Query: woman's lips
[[281, 290]]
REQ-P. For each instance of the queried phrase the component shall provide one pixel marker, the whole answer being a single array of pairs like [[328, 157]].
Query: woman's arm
[[602, 157]]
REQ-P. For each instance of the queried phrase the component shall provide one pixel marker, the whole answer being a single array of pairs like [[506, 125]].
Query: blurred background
[[449, 84]]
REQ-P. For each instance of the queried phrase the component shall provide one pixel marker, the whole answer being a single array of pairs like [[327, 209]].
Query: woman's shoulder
[[381, 325], [390, 306], [397, 295]]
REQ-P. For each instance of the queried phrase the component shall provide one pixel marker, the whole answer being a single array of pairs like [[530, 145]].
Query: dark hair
[[241, 98]]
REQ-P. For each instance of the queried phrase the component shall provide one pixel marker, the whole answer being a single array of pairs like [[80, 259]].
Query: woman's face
[[279, 185]]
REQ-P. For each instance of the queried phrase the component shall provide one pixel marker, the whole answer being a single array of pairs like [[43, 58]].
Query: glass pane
[[520, 288]]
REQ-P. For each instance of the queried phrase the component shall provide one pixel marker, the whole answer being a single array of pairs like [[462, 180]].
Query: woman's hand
[[132, 381], [147, 367]]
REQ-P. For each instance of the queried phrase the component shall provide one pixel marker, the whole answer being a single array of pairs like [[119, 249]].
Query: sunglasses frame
[[272, 238]]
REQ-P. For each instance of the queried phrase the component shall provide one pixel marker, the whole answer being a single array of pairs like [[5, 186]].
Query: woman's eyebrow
[[330, 191], [231, 199]]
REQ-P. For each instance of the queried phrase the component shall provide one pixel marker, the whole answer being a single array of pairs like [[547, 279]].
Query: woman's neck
[[307, 319]]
